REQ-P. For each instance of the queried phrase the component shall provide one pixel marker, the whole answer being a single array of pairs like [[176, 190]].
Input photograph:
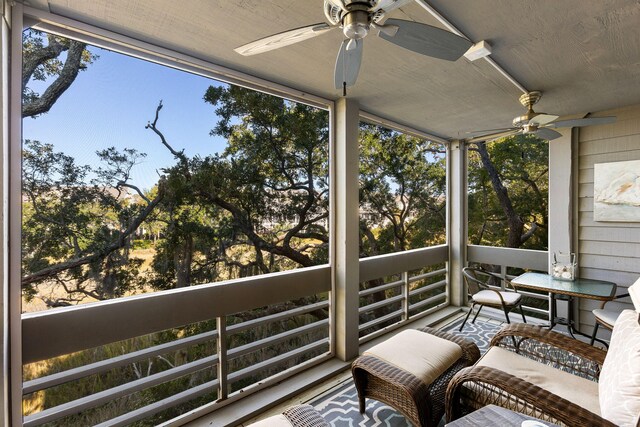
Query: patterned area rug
[[339, 406]]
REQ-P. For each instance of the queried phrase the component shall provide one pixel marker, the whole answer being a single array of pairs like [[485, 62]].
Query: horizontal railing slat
[[533, 295], [379, 266], [161, 405], [55, 332], [274, 361], [381, 288], [423, 276], [105, 396], [521, 258], [428, 301], [380, 304], [249, 324], [114, 362], [382, 319], [535, 310], [275, 339], [430, 287]]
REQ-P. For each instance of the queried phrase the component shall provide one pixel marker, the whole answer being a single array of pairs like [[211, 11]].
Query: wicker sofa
[[553, 377]]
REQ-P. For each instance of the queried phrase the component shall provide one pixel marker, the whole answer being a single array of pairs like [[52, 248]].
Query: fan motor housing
[[356, 20], [356, 24]]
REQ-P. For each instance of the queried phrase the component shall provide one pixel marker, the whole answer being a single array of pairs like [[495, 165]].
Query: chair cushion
[[558, 382], [620, 377], [606, 317], [419, 353], [491, 298]]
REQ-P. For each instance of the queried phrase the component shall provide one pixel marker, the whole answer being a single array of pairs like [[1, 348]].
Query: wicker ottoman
[[411, 370], [296, 416]]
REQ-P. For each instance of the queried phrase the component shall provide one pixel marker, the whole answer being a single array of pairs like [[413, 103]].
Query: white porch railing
[[223, 372], [61, 332], [509, 258], [397, 288]]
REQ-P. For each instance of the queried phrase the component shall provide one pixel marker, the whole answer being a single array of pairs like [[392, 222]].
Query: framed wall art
[[616, 191]]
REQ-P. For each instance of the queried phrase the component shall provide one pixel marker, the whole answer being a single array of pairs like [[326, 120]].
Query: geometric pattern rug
[[339, 406]]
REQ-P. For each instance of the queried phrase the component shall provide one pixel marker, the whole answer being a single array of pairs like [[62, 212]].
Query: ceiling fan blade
[[575, 123], [427, 40], [543, 119], [488, 132], [389, 5], [548, 134], [494, 136], [283, 39], [348, 63]]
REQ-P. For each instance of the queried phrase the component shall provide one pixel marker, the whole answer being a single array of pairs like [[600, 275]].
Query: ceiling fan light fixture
[[356, 24]]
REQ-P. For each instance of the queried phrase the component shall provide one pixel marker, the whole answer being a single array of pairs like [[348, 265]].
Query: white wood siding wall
[[607, 250]]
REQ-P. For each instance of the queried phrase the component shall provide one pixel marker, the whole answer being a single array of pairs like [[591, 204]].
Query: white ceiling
[[583, 54]]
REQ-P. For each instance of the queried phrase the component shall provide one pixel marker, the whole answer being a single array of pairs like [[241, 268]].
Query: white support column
[[11, 211], [560, 199], [13, 199], [457, 219], [4, 137], [345, 205]]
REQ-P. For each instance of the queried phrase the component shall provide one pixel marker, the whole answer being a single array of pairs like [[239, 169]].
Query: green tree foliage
[[260, 206], [75, 232], [402, 191], [508, 192]]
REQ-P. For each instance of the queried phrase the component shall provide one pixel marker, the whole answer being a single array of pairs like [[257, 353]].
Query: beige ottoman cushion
[[558, 382], [419, 353]]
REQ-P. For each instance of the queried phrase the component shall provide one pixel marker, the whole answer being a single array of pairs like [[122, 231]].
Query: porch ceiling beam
[[426, 6]]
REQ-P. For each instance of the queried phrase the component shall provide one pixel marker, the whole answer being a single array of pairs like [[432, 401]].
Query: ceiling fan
[[539, 124], [356, 18]]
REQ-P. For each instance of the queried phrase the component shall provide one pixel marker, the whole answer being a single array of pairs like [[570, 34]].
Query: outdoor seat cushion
[[620, 376], [491, 298], [578, 390], [607, 317], [423, 355]]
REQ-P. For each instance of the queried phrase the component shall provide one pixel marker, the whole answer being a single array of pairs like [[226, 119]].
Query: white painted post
[[457, 219], [345, 204], [221, 346], [4, 138], [405, 295], [560, 199], [11, 211]]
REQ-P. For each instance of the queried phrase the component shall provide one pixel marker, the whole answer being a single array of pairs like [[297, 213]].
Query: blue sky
[[110, 103]]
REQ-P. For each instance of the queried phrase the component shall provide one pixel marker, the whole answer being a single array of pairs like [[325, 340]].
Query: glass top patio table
[[581, 288]]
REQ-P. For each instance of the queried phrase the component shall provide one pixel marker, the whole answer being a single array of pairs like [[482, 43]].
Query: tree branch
[[102, 253], [69, 72]]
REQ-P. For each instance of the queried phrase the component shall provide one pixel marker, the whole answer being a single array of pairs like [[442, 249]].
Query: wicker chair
[[607, 317], [481, 294], [555, 378]]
